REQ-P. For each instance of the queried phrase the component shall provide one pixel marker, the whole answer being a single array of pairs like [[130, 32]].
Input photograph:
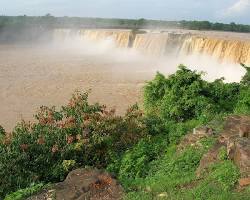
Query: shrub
[[134, 162], [167, 174], [185, 96], [243, 104], [78, 134]]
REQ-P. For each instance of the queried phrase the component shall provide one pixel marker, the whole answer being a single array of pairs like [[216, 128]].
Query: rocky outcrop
[[244, 182], [84, 184], [193, 139], [239, 152], [235, 138]]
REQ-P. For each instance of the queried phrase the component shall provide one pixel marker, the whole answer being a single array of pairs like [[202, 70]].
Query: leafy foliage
[[185, 96], [173, 176], [243, 104], [79, 134]]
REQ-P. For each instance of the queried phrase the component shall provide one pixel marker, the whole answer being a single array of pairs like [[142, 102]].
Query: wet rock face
[[85, 184]]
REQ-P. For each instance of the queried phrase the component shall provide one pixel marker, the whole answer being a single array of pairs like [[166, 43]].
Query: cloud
[[239, 8]]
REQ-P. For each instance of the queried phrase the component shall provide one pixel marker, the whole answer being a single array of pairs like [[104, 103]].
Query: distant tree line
[[31, 26], [206, 25], [48, 21]]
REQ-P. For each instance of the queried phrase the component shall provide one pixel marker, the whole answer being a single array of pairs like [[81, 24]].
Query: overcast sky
[[214, 10]]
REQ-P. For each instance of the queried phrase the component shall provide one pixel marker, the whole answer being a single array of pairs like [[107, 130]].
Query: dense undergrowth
[[139, 147]]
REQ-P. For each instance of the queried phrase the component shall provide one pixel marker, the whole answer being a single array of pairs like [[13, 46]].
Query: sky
[[213, 10]]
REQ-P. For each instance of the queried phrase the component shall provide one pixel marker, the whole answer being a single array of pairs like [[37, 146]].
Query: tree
[[140, 22]]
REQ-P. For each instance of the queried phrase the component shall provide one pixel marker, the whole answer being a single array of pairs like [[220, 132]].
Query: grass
[[24, 193], [173, 177]]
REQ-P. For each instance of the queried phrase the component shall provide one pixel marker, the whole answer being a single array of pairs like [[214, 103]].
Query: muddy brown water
[[31, 76]]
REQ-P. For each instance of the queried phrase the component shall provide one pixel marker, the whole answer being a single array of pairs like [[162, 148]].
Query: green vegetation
[[139, 147], [24, 193], [79, 134], [206, 25], [173, 99], [173, 177]]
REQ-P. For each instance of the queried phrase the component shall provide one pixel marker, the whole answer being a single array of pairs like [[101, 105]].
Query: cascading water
[[121, 39], [161, 44], [226, 50]]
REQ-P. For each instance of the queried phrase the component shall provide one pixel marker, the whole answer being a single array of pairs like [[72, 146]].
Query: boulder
[[244, 182], [89, 184], [231, 128], [241, 155], [244, 130], [235, 137]]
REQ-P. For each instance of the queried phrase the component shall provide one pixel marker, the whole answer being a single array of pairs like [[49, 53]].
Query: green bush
[[78, 134], [134, 162], [186, 96], [167, 174], [243, 104]]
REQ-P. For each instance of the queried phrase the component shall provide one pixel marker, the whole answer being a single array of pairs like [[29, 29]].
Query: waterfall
[[223, 49], [162, 44]]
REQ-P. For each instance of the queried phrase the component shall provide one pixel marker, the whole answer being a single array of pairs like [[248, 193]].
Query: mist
[[48, 72], [168, 64]]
